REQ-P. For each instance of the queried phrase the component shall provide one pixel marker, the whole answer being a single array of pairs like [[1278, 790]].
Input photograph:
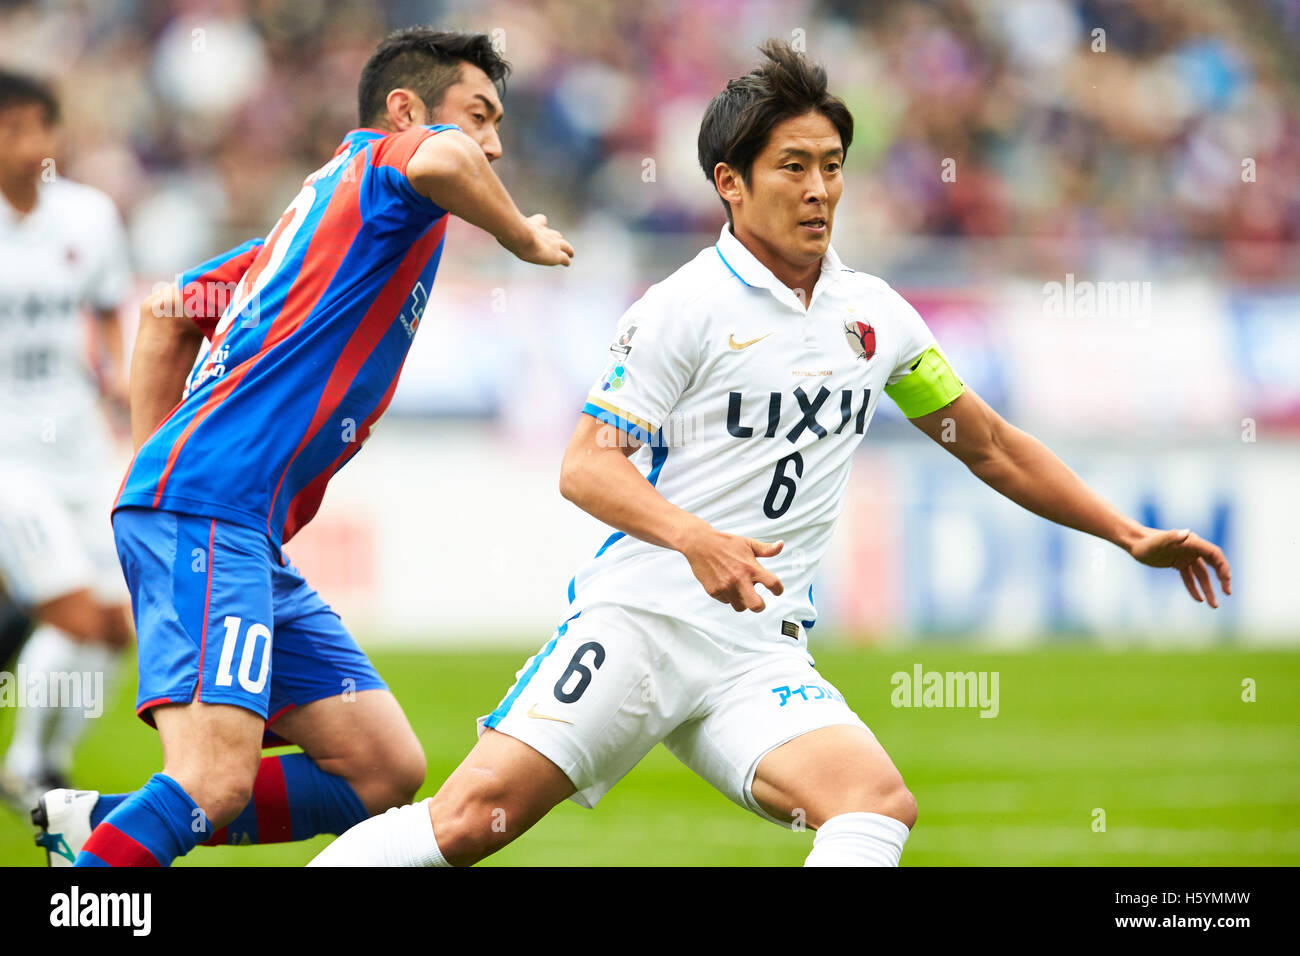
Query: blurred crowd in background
[[1173, 122]]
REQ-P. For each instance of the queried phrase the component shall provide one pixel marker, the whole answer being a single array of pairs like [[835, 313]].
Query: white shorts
[[49, 548], [614, 682]]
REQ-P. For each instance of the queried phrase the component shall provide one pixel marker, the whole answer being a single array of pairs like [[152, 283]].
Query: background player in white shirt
[[742, 385], [62, 252]]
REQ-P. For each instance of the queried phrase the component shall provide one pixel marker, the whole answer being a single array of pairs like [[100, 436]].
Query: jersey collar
[[365, 132], [745, 267], [369, 132]]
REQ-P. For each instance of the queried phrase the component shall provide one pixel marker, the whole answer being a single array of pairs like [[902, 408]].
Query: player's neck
[[800, 279], [21, 194]]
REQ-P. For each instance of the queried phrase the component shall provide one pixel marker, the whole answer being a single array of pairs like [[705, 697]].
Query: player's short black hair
[[426, 61], [17, 89], [739, 120]]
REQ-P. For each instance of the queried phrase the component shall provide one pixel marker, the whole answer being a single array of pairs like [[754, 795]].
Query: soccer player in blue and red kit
[[234, 451]]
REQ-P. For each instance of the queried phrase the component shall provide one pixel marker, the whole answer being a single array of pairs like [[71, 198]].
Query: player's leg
[[497, 793], [63, 623], [99, 658], [582, 712], [364, 739], [323, 694], [840, 780], [328, 698], [203, 601], [779, 740], [49, 572], [210, 759], [360, 756], [98, 663]]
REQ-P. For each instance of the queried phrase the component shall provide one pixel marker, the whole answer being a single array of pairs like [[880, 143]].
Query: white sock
[[99, 664], [47, 650], [402, 836], [858, 839]]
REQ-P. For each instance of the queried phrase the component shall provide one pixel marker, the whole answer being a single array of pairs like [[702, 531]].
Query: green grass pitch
[[1186, 771]]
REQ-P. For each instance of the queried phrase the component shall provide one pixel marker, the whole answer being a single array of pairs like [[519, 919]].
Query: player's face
[[789, 204], [472, 104], [26, 141]]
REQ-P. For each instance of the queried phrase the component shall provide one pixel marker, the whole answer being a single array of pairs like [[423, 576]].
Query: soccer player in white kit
[[740, 387], [62, 252]]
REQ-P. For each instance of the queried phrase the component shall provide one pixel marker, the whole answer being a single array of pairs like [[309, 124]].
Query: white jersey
[[751, 408], [66, 255]]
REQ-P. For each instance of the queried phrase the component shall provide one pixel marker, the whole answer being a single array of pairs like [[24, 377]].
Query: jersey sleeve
[[112, 277], [922, 380], [207, 288], [393, 154], [653, 359]]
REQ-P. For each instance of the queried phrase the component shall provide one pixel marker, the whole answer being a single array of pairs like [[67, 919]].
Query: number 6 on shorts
[[577, 667]]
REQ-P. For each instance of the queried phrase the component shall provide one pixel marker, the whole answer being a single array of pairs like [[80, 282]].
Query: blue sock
[[290, 789], [151, 827], [293, 799], [319, 802], [105, 805]]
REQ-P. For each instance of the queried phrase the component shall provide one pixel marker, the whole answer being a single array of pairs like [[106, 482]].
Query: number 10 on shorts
[[255, 635]]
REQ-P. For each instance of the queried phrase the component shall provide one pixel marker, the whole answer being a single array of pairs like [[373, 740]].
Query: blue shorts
[[219, 619]]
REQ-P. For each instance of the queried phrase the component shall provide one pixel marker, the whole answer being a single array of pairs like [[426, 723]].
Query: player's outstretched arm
[[451, 170], [1022, 468], [166, 343], [597, 477]]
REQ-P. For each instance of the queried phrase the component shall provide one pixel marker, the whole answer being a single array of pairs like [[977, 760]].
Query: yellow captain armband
[[930, 385]]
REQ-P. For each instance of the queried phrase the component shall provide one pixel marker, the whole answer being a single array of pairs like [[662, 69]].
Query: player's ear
[[405, 109], [728, 183]]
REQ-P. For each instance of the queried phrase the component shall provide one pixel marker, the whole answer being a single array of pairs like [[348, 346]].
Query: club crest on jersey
[[623, 344], [862, 338], [615, 379]]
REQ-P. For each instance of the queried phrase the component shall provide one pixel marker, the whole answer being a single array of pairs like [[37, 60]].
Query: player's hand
[[542, 245], [1193, 556], [727, 565]]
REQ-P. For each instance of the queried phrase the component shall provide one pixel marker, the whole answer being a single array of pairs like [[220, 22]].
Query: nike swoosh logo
[[532, 712], [744, 345]]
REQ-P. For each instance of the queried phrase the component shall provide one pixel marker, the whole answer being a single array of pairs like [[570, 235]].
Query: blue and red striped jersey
[[308, 346]]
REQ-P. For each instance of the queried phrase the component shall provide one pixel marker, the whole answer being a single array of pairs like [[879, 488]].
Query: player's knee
[[384, 778], [896, 801], [889, 798], [221, 798], [902, 806], [409, 773], [220, 788], [470, 826], [401, 778]]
